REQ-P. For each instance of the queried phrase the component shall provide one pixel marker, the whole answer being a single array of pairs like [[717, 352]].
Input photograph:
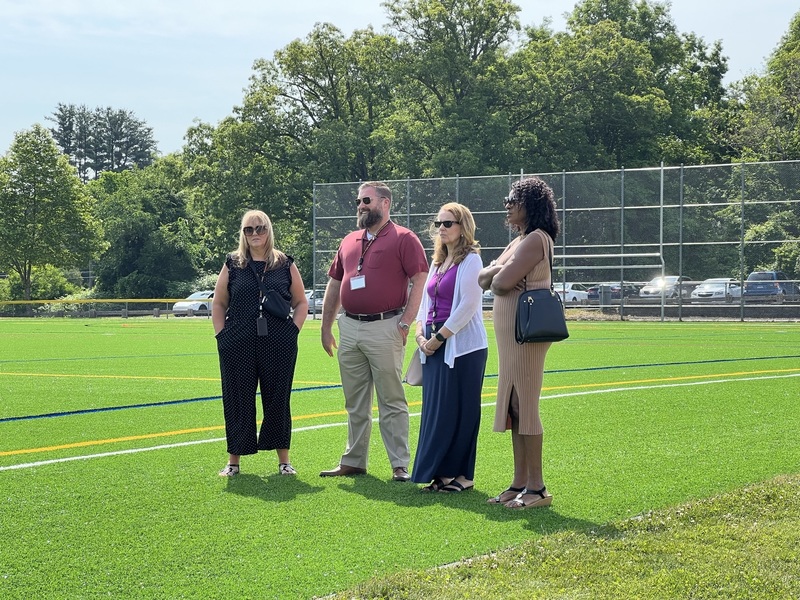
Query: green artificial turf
[[638, 417]]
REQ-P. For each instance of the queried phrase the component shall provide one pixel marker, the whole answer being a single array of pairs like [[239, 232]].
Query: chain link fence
[[627, 225]]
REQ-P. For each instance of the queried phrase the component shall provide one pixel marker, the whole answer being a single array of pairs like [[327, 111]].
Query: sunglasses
[[510, 201], [447, 224], [258, 229], [366, 200]]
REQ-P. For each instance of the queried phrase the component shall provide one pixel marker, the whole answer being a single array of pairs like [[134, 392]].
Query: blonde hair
[[466, 244], [242, 254]]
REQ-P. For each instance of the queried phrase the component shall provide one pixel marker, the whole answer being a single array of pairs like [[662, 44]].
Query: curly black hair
[[540, 205]]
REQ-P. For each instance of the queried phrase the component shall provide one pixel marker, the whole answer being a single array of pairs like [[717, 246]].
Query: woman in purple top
[[453, 343]]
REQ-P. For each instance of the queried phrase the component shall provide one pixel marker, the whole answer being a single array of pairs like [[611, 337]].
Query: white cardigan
[[466, 316]]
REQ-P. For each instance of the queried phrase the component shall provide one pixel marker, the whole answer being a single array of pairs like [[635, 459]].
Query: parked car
[[488, 299], [198, 302], [770, 285], [572, 292], [670, 286], [315, 298], [717, 289], [627, 290]]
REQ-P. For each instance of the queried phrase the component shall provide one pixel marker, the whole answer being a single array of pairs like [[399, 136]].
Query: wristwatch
[[440, 337], [404, 326]]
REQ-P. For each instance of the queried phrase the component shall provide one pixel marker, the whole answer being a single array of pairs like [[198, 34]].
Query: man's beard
[[370, 218]]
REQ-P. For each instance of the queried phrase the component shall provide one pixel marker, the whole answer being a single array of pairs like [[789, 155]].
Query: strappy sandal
[[544, 499], [434, 486], [286, 469], [455, 487], [229, 471], [499, 498]]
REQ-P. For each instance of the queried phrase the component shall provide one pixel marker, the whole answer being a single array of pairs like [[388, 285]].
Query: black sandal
[[434, 486], [499, 500], [455, 487]]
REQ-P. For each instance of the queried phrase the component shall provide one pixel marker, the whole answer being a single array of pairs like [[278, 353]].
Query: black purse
[[540, 313], [271, 300]]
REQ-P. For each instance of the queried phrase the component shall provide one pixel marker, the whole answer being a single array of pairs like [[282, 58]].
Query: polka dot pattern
[[249, 362]]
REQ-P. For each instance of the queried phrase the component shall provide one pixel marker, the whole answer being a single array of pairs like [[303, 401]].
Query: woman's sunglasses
[[259, 229], [510, 201], [447, 224]]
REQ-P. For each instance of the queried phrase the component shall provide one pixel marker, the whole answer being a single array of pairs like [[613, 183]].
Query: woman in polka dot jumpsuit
[[250, 357]]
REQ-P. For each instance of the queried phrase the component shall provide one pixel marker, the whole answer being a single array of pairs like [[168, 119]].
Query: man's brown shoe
[[401, 474], [343, 470]]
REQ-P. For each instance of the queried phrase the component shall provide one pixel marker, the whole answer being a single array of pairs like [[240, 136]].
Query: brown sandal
[[544, 499]]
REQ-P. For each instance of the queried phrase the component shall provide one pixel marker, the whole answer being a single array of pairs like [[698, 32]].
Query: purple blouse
[[441, 288]]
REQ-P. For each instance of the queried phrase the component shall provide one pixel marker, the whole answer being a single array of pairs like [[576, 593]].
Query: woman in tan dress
[[531, 211]]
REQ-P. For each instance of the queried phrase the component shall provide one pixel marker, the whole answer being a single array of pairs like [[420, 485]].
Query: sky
[[173, 62]]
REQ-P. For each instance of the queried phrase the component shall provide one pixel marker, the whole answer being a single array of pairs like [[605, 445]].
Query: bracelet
[[440, 337]]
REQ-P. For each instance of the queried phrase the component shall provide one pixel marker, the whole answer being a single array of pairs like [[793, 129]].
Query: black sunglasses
[[510, 201], [447, 224], [366, 200], [259, 229]]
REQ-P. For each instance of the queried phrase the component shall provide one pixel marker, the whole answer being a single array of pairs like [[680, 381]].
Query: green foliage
[[45, 213], [151, 239], [47, 283], [103, 139]]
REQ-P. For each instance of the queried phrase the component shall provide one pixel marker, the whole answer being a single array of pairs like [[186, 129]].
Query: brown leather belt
[[376, 317]]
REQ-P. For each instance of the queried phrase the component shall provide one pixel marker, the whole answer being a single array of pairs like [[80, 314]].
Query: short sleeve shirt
[[390, 262]]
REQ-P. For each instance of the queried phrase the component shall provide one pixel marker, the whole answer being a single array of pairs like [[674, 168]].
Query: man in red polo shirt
[[369, 278]]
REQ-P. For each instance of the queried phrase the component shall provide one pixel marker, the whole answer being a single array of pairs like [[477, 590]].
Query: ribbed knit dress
[[521, 366]]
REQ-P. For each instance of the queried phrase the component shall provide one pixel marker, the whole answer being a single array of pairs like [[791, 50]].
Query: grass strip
[[741, 544]]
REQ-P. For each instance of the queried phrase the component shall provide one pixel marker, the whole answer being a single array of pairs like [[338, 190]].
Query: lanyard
[[369, 243]]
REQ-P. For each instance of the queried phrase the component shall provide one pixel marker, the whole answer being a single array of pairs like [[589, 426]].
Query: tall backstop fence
[[626, 225], [620, 228]]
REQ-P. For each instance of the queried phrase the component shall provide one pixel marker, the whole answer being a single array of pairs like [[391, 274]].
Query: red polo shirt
[[392, 259]]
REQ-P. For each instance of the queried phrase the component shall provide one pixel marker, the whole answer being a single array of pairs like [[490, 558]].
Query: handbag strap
[[549, 264]]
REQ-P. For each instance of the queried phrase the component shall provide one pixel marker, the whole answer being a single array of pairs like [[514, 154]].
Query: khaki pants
[[371, 358]]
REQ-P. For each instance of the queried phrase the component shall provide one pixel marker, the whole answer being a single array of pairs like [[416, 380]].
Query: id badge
[[261, 326], [358, 282]]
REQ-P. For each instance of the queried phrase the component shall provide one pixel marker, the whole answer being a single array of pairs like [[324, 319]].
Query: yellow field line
[[342, 412], [663, 379], [337, 413]]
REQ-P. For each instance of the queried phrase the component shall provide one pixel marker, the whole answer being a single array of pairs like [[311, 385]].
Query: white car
[[199, 303], [572, 292], [717, 289]]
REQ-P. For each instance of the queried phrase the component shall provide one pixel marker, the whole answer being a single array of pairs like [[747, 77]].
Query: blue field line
[[87, 411]]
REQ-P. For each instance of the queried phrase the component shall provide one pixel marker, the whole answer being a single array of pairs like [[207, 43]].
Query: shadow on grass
[[272, 488], [541, 520]]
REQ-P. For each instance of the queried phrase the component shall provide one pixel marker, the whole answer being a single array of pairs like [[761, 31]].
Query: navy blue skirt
[[451, 416]]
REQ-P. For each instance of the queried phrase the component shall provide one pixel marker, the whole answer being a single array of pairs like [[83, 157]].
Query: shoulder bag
[[271, 300], [414, 372], [540, 313]]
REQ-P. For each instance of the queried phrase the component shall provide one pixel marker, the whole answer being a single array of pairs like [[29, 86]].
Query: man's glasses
[[447, 224], [510, 201], [258, 229], [366, 200]]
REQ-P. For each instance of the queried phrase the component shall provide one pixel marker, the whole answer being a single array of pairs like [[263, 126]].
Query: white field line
[[327, 425]]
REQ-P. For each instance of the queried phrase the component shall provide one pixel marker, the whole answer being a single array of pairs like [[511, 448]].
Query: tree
[[152, 247], [45, 213], [104, 139]]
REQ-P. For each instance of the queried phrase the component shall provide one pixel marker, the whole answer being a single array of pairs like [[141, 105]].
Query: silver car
[[670, 286], [717, 289]]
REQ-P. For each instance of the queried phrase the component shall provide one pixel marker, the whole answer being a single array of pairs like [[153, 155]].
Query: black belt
[[376, 317]]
